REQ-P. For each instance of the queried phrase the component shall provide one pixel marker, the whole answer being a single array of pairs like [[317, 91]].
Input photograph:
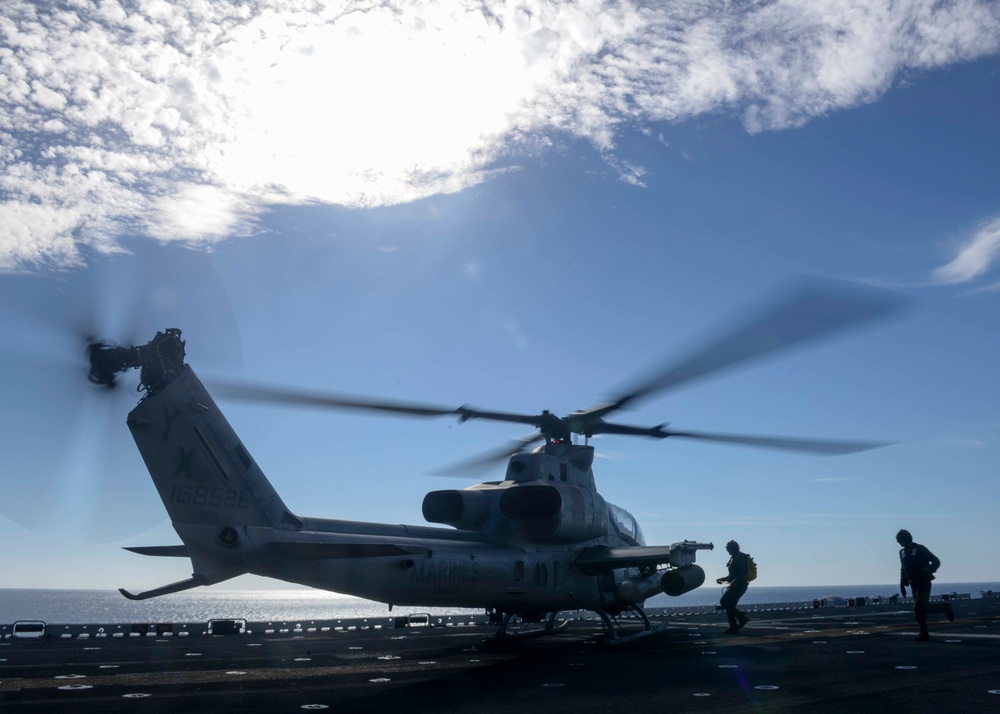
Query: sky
[[518, 206]]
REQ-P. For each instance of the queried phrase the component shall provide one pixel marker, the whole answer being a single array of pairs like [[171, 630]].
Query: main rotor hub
[[555, 428]]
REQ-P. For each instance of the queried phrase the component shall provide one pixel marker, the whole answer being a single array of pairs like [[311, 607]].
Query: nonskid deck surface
[[822, 660]]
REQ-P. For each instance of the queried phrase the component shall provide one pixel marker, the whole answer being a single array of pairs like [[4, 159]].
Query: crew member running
[[917, 566], [737, 578]]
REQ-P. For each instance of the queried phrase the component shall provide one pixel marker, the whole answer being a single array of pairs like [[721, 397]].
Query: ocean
[[108, 606]]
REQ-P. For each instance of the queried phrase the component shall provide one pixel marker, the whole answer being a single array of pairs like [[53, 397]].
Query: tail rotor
[[69, 463]]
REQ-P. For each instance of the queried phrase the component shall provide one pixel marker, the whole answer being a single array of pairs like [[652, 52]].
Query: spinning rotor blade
[[488, 460], [805, 311], [812, 446], [331, 400], [491, 459], [280, 395], [826, 447]]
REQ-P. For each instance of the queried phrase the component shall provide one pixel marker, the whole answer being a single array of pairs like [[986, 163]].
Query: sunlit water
[[108, 606]]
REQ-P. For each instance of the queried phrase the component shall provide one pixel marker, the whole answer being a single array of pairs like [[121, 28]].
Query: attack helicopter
[[539, 542]]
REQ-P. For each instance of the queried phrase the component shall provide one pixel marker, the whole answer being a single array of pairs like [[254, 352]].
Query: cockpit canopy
[[626, 525]]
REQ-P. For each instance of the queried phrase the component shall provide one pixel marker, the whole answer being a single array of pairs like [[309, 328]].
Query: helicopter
[[539, 542]]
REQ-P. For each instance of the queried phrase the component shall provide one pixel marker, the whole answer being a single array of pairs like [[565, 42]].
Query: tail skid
[[193, 582]]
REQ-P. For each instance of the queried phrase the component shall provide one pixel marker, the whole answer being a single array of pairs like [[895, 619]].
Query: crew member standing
[[737, 578], [917, 566]]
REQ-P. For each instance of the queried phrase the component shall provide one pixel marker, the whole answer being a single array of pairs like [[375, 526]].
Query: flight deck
[[789, 658]]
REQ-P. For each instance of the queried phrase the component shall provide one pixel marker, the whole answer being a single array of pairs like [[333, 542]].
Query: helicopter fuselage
[[514, 546]]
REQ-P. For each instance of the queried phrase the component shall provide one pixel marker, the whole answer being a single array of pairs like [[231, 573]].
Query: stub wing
[[600, 558]]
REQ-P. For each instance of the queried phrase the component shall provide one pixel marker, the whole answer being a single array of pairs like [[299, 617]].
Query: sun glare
[[366, 108]]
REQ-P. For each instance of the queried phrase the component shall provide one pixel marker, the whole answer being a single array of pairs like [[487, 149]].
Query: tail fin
[[211, 487]]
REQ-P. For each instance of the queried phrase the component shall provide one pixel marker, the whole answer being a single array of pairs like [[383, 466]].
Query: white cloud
[[187, 118], [974, 257], [191, 212], [48, 240]]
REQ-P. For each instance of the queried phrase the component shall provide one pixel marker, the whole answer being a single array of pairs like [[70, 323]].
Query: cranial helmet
[[904, 535], [732, 546]]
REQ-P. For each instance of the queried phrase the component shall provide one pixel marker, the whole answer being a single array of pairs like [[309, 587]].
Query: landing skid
[[503, 635], [614, 635]]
